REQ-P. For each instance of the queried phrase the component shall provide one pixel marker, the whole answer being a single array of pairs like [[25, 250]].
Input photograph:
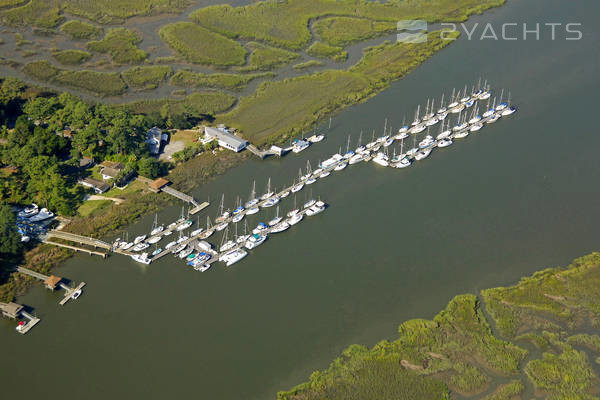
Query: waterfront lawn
[[78, 30], [185, 78], [121, 44], [148, 77], [71, 57], [90, 207], [199, 45], [341, 31]]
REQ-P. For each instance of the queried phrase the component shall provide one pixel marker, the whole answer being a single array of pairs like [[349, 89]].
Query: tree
[[9, 237], [150, 167]]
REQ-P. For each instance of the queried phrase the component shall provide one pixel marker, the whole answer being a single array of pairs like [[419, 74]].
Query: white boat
[[357, 158], [238, 217], [493, 119], [299, 145], [476, 127], [275, 220], [284, 194], [178, 248], [182, 239], [317, 172], [417, 121], [221, 226], [252, 200], [402, 163], [331, 161], [316, 208], [340, 166], [444, 143], [297, 187], [78, 292], [242, 239], [432, 121], [484, 95], [462, 134], [311, 180], [157, 252], [428, 141], [509, 111], [280, 227], [469, 103], [156, 229], [140, 246], [127, 246], [316, 138], [444, 134], [457, 109], [170, 244], [325, 174], [28, 211], [42, 215], [412, 152], [233, 256], [203, 267], [269, 193], [460, 127], [255, 241], [141, 258], [185, 252], [294, 219], [154, 239], [423, 154], [228, 245], [139, 239], [309, 203], [196, 232], [381, 159], [168, 233], [417, 129], [259, 228], [442, 116], [388, 142], [252, 210], [271, 202], [185, 225]]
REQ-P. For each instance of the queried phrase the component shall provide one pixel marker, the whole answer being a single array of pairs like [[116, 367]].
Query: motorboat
[[139, 239], [233, 256], [331, 161], [154, 239], [254, 241], [28, 211], [316, 208], [316, 138], [140, 246], [42, 215], [299, 145], [141, 258]]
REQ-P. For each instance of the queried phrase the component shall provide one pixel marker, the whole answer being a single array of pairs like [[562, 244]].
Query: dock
[[33, 321], [52, 282], [14, 311]]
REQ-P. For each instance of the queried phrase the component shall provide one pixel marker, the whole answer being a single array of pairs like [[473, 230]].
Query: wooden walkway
[[68, 290]]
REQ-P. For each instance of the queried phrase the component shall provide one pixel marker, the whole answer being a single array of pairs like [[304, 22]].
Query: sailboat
[[475, 117], [156, 229], [349, 153], [225, 243], [298, 186], [403, 131], [268, 193], [417, 121], [242, 238], [453, 103], [402, 160], [295, 210], [310, 179], [509, 110], [223, 215], [277, 218], [442, 109], [252, 201], [502, 104]]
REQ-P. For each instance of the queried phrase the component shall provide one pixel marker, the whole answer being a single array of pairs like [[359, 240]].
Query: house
[[98, 186], [225, 138], [86, 162], [110, 169], [11, 310]]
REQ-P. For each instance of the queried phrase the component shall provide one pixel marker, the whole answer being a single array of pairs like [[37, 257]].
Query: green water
[[395, 244]]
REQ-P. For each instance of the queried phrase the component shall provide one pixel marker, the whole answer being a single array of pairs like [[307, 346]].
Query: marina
[[377, 150]]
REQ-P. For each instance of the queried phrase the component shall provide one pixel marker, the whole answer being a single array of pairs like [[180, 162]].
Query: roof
[[11, 308], [52, 280], [103, 186], [111, 172], [85, 161], [112, 164], [224, 136], [158, 183]]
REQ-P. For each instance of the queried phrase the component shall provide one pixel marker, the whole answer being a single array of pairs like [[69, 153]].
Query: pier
[[14, 311], [52, 282], [78, 239]]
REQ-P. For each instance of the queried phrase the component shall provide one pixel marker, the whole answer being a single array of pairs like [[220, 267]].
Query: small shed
[[52, 282], [11, 310], [157, 184]]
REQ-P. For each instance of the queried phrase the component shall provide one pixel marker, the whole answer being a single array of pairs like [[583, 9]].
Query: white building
[[153, 139], [225, 138]]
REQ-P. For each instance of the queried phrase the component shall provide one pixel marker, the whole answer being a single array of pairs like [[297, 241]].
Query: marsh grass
[[199, 45], [121, 44], [71, 57], [185, 78], [78, 30], [146, 77], [323, 50]]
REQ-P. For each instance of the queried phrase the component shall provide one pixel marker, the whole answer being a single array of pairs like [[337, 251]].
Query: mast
[[348, 144], [359, 138], [384, 128], [442, 102]]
